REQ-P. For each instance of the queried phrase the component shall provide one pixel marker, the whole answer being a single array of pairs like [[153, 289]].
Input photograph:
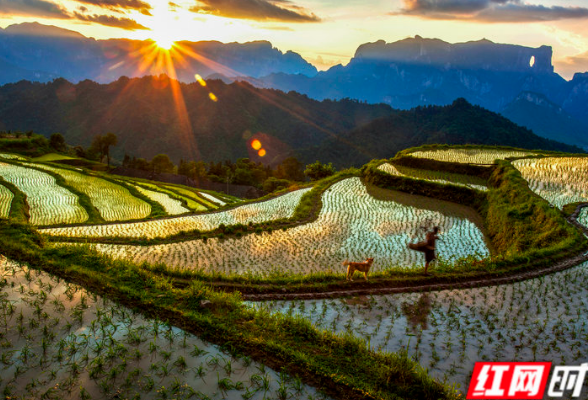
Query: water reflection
[[417, 312]]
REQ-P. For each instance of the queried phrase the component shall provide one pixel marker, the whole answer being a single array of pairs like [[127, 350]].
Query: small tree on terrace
[[57, 142], [318, 171], [101, 145], [161, 163]]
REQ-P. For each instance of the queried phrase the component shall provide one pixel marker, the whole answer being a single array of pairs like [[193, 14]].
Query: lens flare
[[200, 80], [256, 144], [261, 153], [213, 97]]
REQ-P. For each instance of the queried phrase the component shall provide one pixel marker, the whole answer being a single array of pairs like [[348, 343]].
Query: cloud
[[34, 8], [568, 66], [109, 20], [259, 10], [506, 11], [138, 5]]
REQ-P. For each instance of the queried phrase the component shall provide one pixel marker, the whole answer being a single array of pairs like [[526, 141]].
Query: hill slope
[[536, 112], [153, 115], [458, 123]]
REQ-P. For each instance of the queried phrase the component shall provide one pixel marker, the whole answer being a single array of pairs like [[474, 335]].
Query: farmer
[[428, 246]]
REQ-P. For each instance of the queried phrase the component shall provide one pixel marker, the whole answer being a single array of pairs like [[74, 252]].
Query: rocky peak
[[482, 54]]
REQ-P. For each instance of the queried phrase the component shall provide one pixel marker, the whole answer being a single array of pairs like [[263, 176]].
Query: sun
[[164, 42]]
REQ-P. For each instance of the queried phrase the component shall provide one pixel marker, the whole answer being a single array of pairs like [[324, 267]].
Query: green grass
[[109, 198], [19, 208], [343, 366], [157, 209], [53, 157], [94, 216], [6, 197], [193, 200], [186, 201]]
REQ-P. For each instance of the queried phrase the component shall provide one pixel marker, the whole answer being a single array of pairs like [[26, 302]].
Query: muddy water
[[542, 319], [59, 341]]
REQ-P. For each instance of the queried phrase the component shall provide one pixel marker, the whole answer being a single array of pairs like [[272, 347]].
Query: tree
[[161, 163], [110, 139], [101, 145], [318, 171], [193, 170], [290, 169], [57, 142], [80, 152], [272, 184]]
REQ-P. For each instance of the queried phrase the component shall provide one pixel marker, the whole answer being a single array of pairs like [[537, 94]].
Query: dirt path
[[502, 280]]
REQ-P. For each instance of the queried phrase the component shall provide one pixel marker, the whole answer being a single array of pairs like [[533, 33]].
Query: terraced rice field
[[193, 205], [114, 202], [279, 207], [543, 319], [352, 225], [53, 157], [59, 341], [6, 197], [9, 156], [193, 200], [212, 198], [48, 202], [435, 176], [559, 180], [171, 206], [470, 156], [583, 217]]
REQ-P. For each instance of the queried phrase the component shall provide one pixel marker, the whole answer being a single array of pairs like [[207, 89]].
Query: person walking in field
[[428, 246]]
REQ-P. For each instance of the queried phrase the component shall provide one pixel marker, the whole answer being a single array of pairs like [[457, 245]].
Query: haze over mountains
[[38, 52], [146, 116], [516, 81]]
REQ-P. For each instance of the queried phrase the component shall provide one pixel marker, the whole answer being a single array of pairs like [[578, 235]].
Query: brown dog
[[358, 266]]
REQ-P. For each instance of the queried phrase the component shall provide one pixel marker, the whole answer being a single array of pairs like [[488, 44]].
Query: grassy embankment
[[342, 366]]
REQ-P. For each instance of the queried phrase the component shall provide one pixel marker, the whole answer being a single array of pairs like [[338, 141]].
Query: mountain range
[[517, 81], [39, 52], [220, 121]]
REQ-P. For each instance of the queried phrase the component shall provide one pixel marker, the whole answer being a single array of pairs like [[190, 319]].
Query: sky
[[324, 32]]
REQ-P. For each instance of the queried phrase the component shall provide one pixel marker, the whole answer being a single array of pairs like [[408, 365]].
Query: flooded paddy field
[[544, 319], [355, 222], [58, 341]]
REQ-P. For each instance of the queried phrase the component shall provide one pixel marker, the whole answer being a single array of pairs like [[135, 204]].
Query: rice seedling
[[189, 197], [107, 354], [48, 202], [5, 201], [539, 319], [559, 180], [470, 156], [276, 208], [435, 176], [583, 217], [171, 206], [212, 198], [114, 202], [8, 156], [352, 224]]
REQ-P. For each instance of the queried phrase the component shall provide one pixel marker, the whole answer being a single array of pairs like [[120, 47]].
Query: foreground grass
[[342, 366]]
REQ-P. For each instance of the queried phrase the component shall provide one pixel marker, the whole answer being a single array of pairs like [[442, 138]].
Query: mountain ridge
[[148, 117]]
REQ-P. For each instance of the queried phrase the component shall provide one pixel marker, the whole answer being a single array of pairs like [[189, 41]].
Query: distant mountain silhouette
[[457, 123], [416, 71], [547, 119], [150, 117], [404, 74], [54, 52]]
